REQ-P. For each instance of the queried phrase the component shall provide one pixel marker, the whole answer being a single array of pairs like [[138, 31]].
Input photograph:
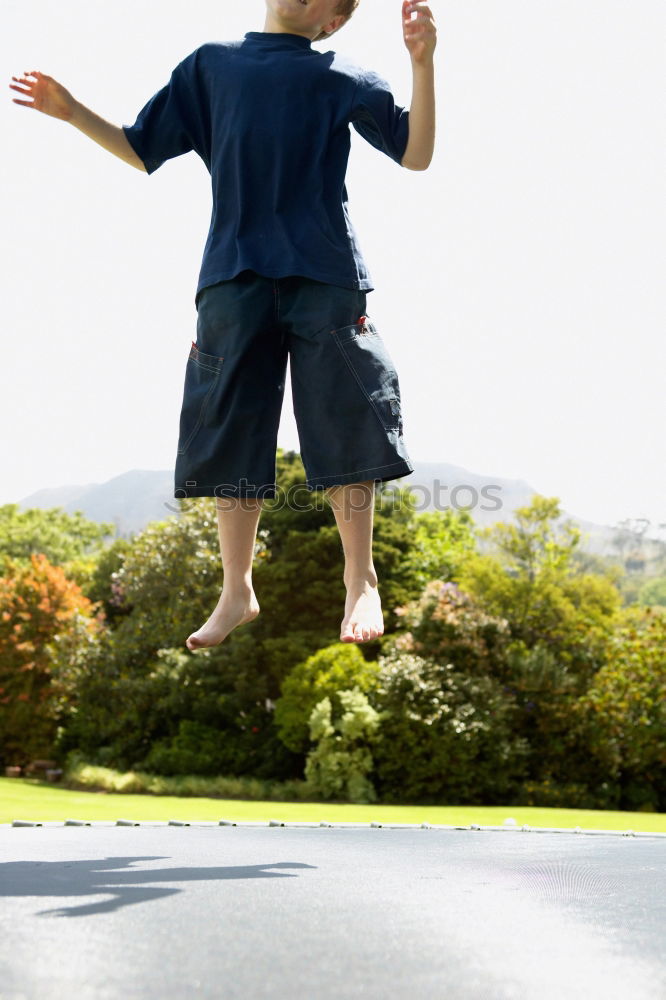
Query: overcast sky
[[519, 282]]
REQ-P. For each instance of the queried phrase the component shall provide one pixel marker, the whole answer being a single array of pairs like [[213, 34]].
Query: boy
[[282, 276]]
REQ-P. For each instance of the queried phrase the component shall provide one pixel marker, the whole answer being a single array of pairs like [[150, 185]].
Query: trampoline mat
[[253, 911]]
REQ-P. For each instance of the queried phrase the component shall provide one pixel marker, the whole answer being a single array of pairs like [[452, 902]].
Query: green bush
[[446, 737], [331, 669], [545, 690], [340, 763], [452, 626], [81, 775], [539, 585], [622, 716], [195, 749], [653, 592], [548, 793], [151, 721]]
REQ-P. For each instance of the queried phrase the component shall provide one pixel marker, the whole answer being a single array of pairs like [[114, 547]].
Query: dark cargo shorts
[[345, 389]]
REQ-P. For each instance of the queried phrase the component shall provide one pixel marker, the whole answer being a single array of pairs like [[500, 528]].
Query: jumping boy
[[282, 276]]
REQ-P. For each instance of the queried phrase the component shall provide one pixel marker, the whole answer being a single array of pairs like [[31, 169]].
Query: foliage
[[320, 676], [45, 621], [340, 763], [506, 677], [623, 713], [567, 794], [153, 720], [164, 583], [58, 536], [168, 582], [535, 584], [446, 736], [102, 585], [441, 543], [535, 546], [545, 692], [653, 592], [449, 625], [532, 619], [195, 749], [82, 775]]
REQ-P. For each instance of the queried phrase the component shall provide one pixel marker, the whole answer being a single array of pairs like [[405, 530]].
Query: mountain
[[129, 501], [132, 500]]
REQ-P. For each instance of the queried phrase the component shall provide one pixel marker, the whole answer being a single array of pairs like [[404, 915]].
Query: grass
[[29, 799]]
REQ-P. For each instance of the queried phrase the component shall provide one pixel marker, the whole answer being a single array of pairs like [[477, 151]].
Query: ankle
[[237, 587], [358, 578]]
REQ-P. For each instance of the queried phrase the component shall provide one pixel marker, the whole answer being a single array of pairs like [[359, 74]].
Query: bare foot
[[232, 610], [363, 618]]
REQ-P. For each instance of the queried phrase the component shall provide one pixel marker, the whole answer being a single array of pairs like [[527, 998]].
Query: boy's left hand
[[419, 33]]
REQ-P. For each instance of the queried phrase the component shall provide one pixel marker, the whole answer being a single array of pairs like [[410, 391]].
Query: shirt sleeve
[[376, 116], [169, 124]]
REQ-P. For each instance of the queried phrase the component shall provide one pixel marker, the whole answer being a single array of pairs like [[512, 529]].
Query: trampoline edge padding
[[472, 827]]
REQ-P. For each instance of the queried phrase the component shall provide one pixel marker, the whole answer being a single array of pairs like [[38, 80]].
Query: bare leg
[[237, 520], [353, 506]]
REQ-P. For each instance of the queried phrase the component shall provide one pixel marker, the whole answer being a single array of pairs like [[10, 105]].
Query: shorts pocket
[[370, 364], [201, 376]]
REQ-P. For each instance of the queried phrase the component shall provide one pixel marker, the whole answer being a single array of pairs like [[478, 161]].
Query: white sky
[[519, 281]]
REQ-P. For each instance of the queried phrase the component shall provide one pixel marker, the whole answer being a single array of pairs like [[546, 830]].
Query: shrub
[[195, 749], [450, 625], [623, 714], [331, 669], [550, 794], [340, 763], [446, 737]]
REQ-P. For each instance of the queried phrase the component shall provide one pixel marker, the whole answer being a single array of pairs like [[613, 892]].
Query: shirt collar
[[279, 38]]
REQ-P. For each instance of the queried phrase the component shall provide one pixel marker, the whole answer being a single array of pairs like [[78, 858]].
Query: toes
[[360, 633], [347, 633]]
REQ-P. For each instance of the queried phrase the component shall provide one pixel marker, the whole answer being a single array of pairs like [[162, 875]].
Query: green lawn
[[28, 799]]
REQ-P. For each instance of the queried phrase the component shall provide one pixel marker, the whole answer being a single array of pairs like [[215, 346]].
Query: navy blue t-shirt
[[269, 115]]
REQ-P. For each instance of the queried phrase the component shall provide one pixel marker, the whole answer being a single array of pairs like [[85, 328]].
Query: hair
[[346, 7]]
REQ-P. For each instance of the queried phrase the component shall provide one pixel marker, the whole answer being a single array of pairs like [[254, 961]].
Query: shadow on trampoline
[[126, 888], [380, 913]]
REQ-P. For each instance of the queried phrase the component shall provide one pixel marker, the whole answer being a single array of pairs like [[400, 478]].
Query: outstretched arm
[[51, 98], [420, 35]]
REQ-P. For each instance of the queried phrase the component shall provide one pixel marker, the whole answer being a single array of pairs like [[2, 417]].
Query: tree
[[653, 592], [531, 618], [102, 585], [441, 543], [38, 607], [623, 714], [535, 584], [60, 537]]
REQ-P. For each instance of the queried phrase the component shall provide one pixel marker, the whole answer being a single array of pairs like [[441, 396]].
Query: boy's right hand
[[48, 96]]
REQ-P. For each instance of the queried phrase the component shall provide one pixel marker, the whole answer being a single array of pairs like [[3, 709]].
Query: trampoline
[[310, 911]]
